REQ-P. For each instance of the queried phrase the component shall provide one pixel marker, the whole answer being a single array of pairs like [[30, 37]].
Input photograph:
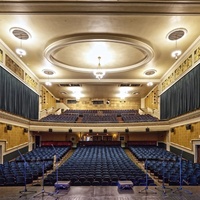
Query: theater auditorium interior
[[100, 99]]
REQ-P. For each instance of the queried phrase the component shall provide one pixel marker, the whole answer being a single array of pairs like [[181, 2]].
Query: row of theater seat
[[12, 173], [167, 166], [102, 117], [70, 118], [98, 166], [44, 153], [90, 118], [116, 112], [152, 153], [128, 118]]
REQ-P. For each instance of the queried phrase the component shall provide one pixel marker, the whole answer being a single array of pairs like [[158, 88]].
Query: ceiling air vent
[[69, 85], [130, 85], [71, 101], [98, 101], [136, 85]]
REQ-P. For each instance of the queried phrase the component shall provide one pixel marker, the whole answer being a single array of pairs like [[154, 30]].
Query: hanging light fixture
[[22, 35], [174, 36], [48, 83], [176, 53], [99, 72], [20, 51], [48, 72]]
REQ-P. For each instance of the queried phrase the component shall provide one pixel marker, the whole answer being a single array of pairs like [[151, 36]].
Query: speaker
[[126, 130], [50, 130], [172, 130], [147, 129], [70, 130], [9, 127], [105, 130], [188, 127], [25, 130], [90, 131]]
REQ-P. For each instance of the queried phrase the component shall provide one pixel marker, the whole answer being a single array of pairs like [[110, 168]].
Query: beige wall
[[151, 136], [86, 103]]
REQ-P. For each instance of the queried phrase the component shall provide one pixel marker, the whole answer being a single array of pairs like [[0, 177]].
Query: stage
[[99, 193]]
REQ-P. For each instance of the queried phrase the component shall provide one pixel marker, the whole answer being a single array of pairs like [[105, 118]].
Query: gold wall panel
[[14, 137], [183, 137], [48, 101], [151, 101]]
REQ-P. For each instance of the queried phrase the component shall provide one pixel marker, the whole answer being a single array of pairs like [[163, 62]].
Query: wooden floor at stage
[[100, 193]]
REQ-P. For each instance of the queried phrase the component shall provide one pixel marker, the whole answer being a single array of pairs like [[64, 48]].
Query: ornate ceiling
[[131, 37]]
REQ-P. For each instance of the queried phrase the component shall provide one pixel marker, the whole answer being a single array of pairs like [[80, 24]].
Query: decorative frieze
[[33, 84], [14, 67], [177, 72]]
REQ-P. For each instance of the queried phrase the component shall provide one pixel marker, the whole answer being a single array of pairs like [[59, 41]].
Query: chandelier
[[99, 72]]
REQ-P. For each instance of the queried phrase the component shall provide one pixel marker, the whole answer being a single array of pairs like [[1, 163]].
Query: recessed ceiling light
[[63, 93], [149, 84], [48, 72], [48, 83], [135, 93], [150, 72]]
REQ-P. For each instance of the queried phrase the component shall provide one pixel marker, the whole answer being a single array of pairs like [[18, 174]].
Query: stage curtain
[[182, 97], [16, 97]]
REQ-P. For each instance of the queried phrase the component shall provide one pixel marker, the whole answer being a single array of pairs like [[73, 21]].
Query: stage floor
[[100, 193]]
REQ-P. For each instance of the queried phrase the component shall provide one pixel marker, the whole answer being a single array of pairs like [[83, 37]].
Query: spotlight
[[126, 130], [147, 129]]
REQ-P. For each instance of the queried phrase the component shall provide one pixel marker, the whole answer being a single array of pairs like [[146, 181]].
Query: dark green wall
[[162, 145], [185, 154], [14, 154]]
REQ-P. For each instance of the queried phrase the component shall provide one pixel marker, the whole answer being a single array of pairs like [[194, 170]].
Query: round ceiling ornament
[[118, 52]]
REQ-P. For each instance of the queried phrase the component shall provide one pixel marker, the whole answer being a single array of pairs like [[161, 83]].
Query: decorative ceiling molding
[[143, 51], [159, 7]]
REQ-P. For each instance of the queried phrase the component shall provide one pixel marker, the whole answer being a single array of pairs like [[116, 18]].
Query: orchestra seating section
[[33, 163], [98, 165], [167, 166], [99, 116]]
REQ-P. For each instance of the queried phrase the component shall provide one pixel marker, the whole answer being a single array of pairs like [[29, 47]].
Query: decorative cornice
[[194, 116], [9, 117], [155, 7]]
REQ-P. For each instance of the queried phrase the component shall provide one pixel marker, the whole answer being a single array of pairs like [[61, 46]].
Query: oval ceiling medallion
[[80, 52]]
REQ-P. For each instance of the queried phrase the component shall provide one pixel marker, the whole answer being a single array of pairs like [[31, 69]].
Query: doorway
[[198, 153], [37, 141], [1, 155]]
